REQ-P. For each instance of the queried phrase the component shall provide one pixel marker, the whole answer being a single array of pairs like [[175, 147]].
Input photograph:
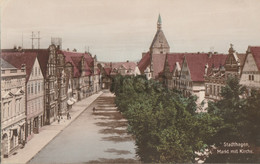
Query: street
[[95, 136]]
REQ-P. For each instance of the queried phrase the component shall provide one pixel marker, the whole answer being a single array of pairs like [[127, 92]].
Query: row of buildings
[[200, 74], [111, 69], [40, 85]]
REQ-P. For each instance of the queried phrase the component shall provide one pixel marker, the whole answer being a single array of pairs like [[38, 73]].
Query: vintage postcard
[[130, 81]]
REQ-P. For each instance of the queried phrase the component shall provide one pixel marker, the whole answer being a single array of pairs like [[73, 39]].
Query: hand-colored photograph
[[130, 81]]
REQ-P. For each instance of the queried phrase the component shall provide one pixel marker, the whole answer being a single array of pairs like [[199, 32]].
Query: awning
[[69, 102]]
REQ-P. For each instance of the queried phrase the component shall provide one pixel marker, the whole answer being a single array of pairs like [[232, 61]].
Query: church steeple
[[159, 23], [159, 44]]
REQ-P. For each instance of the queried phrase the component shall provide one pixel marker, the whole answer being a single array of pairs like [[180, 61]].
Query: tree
[[164, 123], [238, 121]]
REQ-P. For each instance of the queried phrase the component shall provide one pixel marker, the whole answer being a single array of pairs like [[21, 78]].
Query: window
[[35, 71], [31, 88], [252, 77], [16, 106], [8, 109], [19, 105], [249, 77], [32, 107], [39, 71], [4, 110], [39, 87], [28, 89], [35, 87]]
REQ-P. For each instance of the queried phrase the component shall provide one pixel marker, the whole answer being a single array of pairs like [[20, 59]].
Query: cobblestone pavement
[[98, 136], [48, 133]]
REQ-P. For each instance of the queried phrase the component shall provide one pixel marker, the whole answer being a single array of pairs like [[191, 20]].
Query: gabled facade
[[35, 100], [216, 77], [62, 82], [80, 67], [250, 76], [34, 88], [48, 63]]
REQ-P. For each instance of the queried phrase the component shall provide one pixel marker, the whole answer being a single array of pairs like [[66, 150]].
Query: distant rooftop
[[6, 65]]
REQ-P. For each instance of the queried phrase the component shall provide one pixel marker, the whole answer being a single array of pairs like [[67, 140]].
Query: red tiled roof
[[256, 54], [107, 70], [43, 58], [74, 58], [126, 65], [18, 58], [197, 62], [42, 55], [109, 66], [144, 62], [172, 58]]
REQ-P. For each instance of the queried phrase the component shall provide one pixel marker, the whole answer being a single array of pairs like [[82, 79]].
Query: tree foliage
[[164, 123], [239, 121], [167, 128]]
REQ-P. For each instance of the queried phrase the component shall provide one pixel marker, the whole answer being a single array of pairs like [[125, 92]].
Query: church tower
[[159, 44]]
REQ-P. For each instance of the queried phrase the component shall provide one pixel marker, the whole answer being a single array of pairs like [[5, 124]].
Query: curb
[[100, 93]]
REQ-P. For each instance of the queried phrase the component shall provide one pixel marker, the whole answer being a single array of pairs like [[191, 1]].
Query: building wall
[[12, 110], [51, 88], [35, 100], [250, 76]]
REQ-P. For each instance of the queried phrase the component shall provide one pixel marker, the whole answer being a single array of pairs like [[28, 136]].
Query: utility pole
[[39, 39], [34, 37], [22, 40]]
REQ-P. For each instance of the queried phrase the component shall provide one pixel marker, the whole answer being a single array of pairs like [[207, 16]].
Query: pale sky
[[120, 30]]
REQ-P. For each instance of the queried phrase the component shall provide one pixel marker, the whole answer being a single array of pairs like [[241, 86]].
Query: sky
[[120, 30]]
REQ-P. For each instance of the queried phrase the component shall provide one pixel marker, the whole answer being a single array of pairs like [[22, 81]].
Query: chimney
[[20, 49], [68, 49], [74, 50], [206, 69], [23, 66], [127, 61], [210, 54]]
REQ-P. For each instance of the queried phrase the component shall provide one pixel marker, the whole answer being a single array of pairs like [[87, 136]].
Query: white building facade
[[250, 76], [12, 108], [35, 100]]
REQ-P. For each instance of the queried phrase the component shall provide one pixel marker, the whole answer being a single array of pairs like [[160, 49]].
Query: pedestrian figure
[[68, 116], [94, 109], [58, 119]]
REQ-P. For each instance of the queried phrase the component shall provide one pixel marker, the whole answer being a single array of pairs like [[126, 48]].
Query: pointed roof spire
[[159, 22], [159, 19]]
